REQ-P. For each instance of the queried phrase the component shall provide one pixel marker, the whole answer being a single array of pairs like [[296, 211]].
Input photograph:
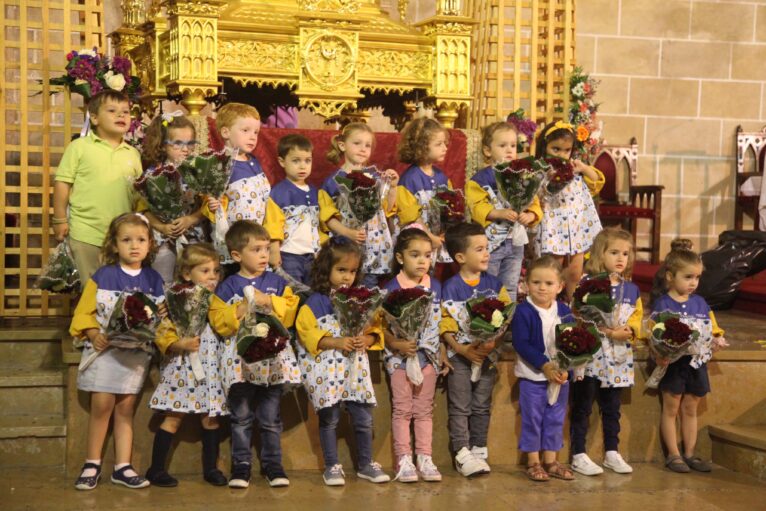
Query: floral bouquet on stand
[[406, 311], [355, 308], [582, 114], [560, 175], [132, 325], [261, 335], [60, 275], [576, 345], [359, 198], [488, 320], [670, 339], [88, 72], [526, 128], [518, 182], [188, 305], [161, 188], [446, 208]]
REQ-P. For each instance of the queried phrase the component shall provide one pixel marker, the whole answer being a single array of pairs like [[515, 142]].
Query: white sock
[[128, 473], [90, 472]]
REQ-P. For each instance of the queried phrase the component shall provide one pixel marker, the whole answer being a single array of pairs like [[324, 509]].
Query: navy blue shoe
[[133, 482], [90, 482]]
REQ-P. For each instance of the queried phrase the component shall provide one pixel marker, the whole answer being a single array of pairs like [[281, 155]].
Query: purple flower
[[121, 65]]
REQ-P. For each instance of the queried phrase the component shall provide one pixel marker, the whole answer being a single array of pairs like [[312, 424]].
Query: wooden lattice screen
[[523, 53], [37, 35]]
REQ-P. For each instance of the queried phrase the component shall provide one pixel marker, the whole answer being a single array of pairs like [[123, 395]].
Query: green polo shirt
[[101, 189]]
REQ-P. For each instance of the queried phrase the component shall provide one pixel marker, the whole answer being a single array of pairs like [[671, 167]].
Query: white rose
[[497, 319], [578, 90], [522, 137], [89, 53], [585, 298], [114, 81], [148, 311], [659, 326], [261, 330]]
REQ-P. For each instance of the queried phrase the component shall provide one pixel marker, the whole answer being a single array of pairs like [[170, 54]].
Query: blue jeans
[[505, 264], [361, 420], [298, 266], [249, 402]]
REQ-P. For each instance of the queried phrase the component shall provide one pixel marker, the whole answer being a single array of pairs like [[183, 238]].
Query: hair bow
[[168, 117], [142, 217]]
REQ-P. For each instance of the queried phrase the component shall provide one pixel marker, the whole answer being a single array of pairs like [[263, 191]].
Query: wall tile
[[584, 52], [732, 100], [627, 56], [612, 94], [681, 137], [655, 18], [667, 97], [722, 21], [597, 17], [682, 59], [748, 62], [619, 130]]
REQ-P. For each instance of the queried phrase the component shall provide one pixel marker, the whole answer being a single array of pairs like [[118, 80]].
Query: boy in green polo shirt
[[91, 185]]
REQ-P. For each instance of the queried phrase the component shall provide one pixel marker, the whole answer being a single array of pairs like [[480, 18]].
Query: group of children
[[301, 229]]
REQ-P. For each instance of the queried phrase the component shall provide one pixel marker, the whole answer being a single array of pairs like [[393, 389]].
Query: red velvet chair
[[749, 144], [644, 202]]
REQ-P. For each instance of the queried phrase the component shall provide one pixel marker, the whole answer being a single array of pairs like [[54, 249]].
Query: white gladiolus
[[114, 81], [497, 319], [261, 330]]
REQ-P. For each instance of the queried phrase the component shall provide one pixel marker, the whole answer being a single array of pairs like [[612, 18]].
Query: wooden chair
[[644, 202], [749, 145]]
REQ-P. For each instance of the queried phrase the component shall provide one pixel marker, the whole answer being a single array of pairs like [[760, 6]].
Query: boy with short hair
[[91, 186], [468, 403], [254, 390]]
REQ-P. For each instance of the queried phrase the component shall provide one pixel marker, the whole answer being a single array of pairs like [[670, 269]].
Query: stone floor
[[650, 488]]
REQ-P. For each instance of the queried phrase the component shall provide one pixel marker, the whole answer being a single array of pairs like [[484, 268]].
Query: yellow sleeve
[[309, 333], [141, 204], [376, 328], [274, 222], [478, 203], [503, 296], [447, 325], [205, 209], [284, 307], [223, 317], [717, 330], [407, 206], [536, 209], [595, 186], [327, 211], [166, 335], [84, 317], [635, 320], [449, 184]]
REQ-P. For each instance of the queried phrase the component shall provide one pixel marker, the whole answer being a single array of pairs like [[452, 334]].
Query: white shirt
[[300, 242], [550, 318]]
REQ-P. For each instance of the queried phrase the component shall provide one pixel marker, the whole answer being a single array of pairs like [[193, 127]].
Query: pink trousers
[[411, 402]]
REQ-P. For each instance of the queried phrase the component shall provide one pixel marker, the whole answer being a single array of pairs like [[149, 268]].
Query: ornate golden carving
[[402, 7], [449, 7], [339, 6], [260, 81], [390, 64], [447, 27], [194, 8], [329, 58], [326, 108], [258, 56], [133, 12]]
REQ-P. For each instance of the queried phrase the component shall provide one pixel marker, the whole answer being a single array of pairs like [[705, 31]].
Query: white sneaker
[[467, 464], [427, 469], [582, 464], [481, 454], [407, 472], [614, 461], [334, 476]]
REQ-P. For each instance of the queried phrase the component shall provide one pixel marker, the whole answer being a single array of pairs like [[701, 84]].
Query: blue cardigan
[[527, 332]]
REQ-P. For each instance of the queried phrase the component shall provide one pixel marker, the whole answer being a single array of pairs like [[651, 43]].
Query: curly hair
[[488, 132], [157, 133], [335, 155], [601, 244], [541, 145], [416, 135], [332, 251], [109, 254], [194, 255]]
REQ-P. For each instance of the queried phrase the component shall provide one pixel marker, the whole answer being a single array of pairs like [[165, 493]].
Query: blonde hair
[[109, 253], [154, 152], [334, 155], [547, 262], [194, 255], [488, 132], [601, 244], [416, 135], [228, 114]]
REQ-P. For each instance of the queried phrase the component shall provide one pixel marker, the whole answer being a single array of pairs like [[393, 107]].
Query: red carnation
[[676, 331], [521, 165], [485, 308], [592, 286], [360, 180], [360, 293], [400, 297], [577, 341], [135, 312]]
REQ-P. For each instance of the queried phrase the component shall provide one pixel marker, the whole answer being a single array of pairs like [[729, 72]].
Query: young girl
[[658, 283], [179, 393], [170, 138], [412, 261], [533, 330], [686, 380], [353, 145], [325, 358], [506, 229], [612, 368], [423, 143], [570, 220], [117, 375]]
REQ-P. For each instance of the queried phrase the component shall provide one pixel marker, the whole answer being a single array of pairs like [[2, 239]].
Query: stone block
[[619, 129], [708, 177], [747, 62], [612, 94], [655, 18], [628, 56], [585, 51], [663, 96], [597, 17], [733, 100], [760, 23], [682, 137], [670, 175], [722, 21], [684, 59]]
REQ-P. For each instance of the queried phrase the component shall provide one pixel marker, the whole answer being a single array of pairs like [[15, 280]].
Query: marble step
[[740, 448], [32, 392], [32, 426], [30, 348]]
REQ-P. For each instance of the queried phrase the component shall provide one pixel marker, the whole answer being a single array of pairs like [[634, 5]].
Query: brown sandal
[[559, 471], [537, 473]]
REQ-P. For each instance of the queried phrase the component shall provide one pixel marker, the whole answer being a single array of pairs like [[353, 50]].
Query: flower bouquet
[[576, 345], [446, 208], [297, 287], [526, 128], [406, 311], [488, 319], [560, 175], [260, 337], [132, 325], [88, 72], [188, 305], [518, 182], [592, 300], [161, 188], [355, 308], [582, 114], [670, 339], [358, 198], [60, 275]]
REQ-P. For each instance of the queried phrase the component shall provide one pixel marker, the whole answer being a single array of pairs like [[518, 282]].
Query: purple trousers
[[542, 425]]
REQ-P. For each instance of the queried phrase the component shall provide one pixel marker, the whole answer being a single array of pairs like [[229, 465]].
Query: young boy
[[91, 181], [294, 216], [468, 403], [254, 390], [506, 229], [248, 189]]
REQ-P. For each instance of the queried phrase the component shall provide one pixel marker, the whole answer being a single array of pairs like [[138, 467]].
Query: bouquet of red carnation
[[208, 173], [593, 302], [407, 312], [560, 175], [355, 308], [188, 305], [488, 320], [518, 181], [446, 208], [576, 345], [260, 337], [60, 275], [358, 198], [670, 339], [161, 189]]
